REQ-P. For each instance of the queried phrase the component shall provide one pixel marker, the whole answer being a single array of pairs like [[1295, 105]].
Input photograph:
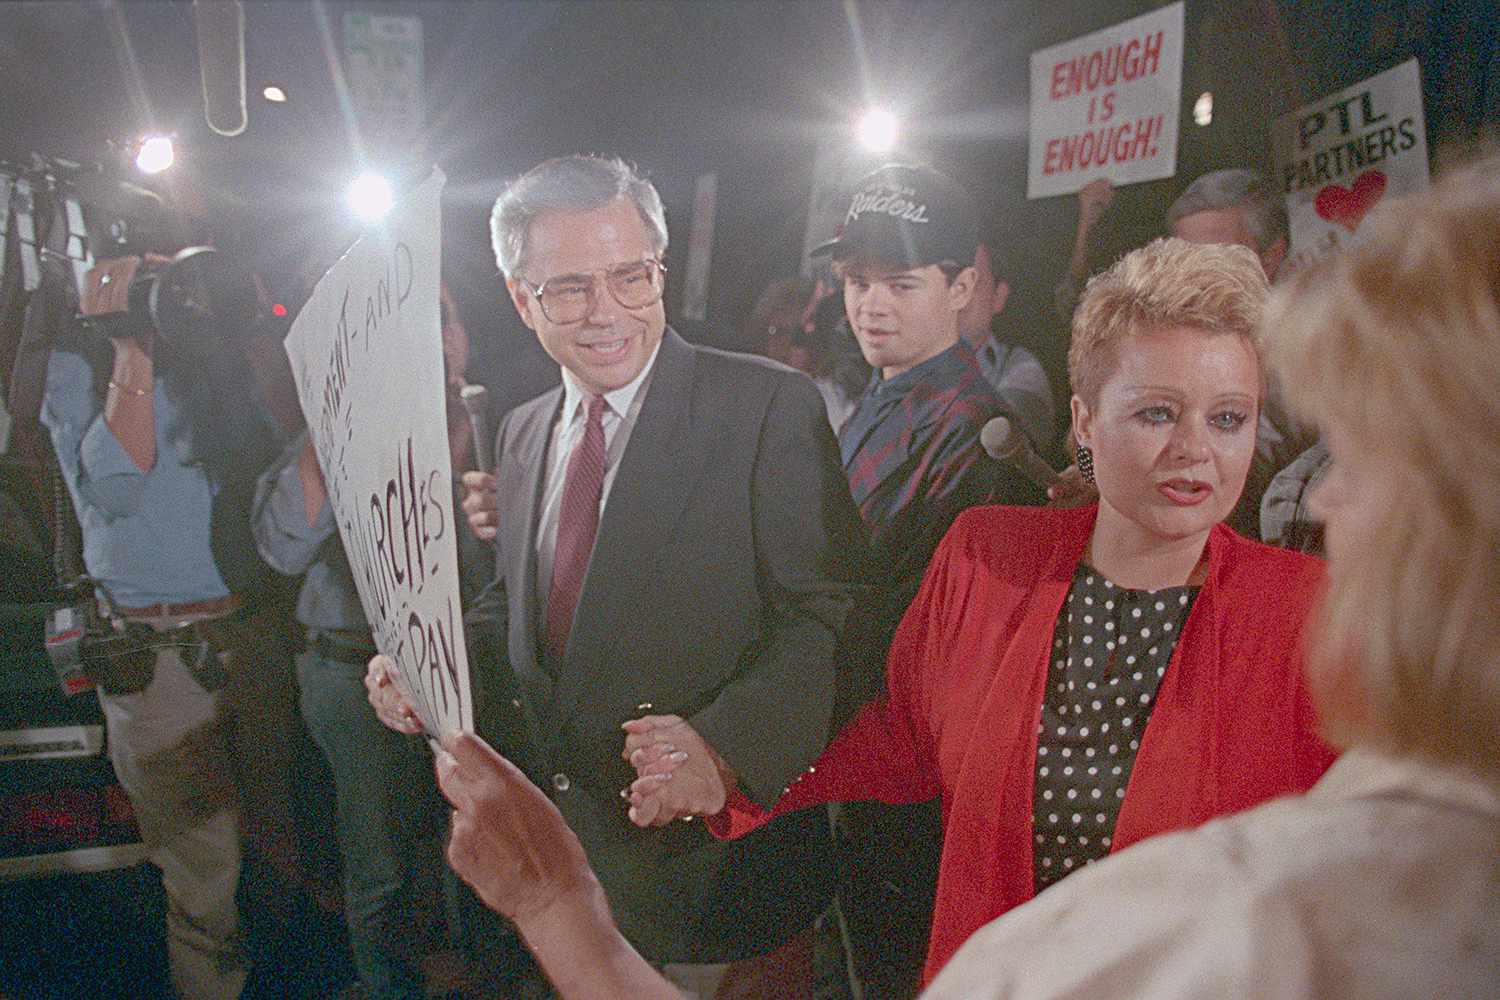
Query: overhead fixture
[[878, 130], [370, 197], [273, 93], [155, 154], [1203, 108]]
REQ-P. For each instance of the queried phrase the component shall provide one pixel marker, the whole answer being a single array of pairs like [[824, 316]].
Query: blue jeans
[[389, 822]]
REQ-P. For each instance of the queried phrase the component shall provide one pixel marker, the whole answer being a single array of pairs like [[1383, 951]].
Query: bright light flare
[[1203, 108], [878, 130], [273, 93], [370, 197], [155, 155]]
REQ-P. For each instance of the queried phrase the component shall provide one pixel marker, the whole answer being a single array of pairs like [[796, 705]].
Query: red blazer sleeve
[[887, 751]]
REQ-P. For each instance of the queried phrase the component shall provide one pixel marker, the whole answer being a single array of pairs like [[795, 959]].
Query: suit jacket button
[[515, 703], [560, 782]]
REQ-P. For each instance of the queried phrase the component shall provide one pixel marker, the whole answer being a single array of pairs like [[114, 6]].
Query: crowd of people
[[769, 651], [1379, 879]]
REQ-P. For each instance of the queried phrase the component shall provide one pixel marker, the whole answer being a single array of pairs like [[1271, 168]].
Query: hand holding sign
[[1094, 199], [391, 706]]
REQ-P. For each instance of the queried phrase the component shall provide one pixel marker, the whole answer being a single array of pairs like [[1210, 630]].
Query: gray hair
[[1265, 210], [569, 184]]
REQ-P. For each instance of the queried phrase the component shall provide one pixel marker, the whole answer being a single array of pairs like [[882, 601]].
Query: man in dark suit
[[674, 534]]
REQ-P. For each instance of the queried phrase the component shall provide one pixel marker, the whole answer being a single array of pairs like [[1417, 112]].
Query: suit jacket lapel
[[520, 552], [644, 503]]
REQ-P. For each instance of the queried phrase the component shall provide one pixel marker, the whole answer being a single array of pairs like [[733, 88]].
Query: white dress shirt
[[1383, 881], [622, 407]]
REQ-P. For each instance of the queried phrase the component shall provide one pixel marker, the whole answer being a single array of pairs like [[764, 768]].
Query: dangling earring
[[1085, 459]]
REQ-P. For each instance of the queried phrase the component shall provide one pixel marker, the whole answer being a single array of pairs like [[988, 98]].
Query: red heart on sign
[[1345, 206]]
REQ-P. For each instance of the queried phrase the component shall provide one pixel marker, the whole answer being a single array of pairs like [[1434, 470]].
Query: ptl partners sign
[[1107, 105], [1340, 157]]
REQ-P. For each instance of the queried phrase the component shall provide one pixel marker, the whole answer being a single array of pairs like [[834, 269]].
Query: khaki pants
[[168, 745]]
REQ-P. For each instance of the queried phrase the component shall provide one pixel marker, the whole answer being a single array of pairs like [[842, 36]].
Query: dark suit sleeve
[[486, 623], [773, 719]]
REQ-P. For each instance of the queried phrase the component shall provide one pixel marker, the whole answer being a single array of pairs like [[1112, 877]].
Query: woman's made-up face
[[1173, 430]]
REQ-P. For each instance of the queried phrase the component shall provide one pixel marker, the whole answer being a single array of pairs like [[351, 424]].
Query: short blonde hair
[[1166, 283], [1397, 344]]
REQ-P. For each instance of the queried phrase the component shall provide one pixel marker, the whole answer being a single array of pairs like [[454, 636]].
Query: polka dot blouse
[[1110, 650]]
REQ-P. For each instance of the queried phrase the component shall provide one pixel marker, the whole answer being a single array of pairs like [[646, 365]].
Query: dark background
[[745, 89]]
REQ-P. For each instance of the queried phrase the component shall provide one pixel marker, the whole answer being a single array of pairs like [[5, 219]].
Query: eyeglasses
[[568, 298]]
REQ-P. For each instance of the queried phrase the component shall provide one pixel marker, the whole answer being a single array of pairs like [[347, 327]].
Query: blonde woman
[[1070, 682], [1384, 880]]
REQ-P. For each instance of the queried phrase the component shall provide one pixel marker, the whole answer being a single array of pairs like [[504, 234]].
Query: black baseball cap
[[907, 215]]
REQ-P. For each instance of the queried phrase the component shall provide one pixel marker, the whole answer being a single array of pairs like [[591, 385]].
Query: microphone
[[220, 27], [477, 401], [1004, 442]]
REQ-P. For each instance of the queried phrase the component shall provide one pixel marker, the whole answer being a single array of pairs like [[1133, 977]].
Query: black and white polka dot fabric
[[1110, 650]]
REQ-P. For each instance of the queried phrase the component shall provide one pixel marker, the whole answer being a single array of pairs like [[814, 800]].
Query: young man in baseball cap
[[905, 257]]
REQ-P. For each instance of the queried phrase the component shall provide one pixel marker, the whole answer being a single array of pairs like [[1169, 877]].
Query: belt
[[331, 647], [189, 609]]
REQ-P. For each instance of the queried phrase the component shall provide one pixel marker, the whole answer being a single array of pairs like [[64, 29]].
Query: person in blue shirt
[[159, 444]]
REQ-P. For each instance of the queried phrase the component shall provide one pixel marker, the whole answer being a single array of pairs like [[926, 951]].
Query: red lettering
[[1091, 77], [1086, 144], [1066, 153], [1142, 141], [1105, 67], [1112, 66], [1049, 161], [1075, 77], [1130, 67], [1151, 57]]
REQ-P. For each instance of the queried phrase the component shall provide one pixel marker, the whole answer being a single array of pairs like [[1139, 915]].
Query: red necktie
[[577, 523]]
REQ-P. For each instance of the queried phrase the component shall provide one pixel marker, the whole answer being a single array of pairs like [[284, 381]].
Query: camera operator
[[159, 438]]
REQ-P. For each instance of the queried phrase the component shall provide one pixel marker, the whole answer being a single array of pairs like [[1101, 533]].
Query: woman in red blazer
[[1072, 681]]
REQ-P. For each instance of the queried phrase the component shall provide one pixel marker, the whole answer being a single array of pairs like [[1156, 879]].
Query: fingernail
[[677, 757]]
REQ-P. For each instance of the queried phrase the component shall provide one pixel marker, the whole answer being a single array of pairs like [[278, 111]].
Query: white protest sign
[[1107, 105], [1338, 157], [367, 355]]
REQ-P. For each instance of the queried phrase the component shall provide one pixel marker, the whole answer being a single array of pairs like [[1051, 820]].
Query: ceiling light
[[155, 154], [370, 197], [878, 130]]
